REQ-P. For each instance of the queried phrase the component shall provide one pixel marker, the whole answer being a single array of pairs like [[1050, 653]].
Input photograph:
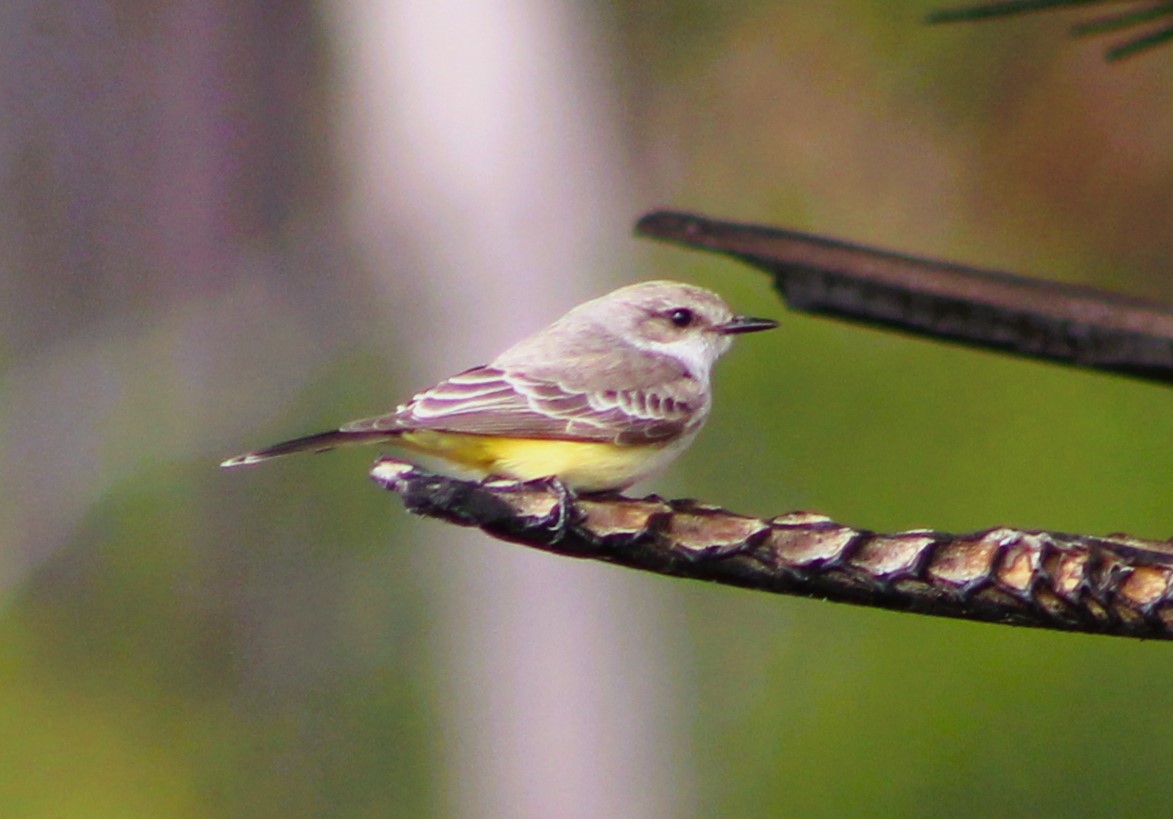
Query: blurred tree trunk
[[481, 127], [145, 151], [142, 147]]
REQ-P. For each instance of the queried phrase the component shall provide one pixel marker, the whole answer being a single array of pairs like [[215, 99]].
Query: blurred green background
[[224, 224]]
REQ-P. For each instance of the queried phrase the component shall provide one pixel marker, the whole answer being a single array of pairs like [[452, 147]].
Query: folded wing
[[494, 401]]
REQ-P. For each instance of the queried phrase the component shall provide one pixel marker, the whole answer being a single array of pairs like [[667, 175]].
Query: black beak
[[745, 324]]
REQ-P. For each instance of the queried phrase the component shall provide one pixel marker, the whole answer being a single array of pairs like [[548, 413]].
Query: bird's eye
[[681, 317]]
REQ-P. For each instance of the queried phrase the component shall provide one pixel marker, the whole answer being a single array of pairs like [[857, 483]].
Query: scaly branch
[[1116, 585]]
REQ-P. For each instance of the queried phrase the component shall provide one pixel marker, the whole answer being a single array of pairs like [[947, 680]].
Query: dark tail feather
[[310, 443]]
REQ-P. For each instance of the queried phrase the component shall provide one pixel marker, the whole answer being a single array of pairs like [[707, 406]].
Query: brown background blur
[[228, 223]]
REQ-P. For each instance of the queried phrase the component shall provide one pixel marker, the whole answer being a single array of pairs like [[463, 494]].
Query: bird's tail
[[310, 443]]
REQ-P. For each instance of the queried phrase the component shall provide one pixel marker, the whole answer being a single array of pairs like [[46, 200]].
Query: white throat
[[698, 353]]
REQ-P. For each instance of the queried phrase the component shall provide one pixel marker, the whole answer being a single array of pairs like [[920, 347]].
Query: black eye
[[681, 317]]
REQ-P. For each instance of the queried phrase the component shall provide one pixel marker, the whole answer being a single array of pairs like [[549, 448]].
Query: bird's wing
[[493, 401]]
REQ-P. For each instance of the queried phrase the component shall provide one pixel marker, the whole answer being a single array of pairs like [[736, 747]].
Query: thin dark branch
[[1137, 17], [1009, 8], [1144, 42], [1116, 585], [1058, 322], [1119, 21]]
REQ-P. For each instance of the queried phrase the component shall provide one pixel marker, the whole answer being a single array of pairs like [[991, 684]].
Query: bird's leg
[[558, 520], [565, 514]]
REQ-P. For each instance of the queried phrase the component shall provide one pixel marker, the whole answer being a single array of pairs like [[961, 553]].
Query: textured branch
[[1117, 585], [982, 308]]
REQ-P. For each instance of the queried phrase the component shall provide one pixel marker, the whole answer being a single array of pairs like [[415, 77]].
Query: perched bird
[[605, 396]]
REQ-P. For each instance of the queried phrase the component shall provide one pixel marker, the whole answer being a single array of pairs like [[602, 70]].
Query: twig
[[1064, 323], [1116, 585], [1132, 19]]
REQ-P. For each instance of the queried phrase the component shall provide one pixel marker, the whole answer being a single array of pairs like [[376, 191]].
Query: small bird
[[605, 396]]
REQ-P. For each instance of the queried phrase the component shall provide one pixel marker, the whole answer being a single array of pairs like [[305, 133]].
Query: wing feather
[[500, 402]]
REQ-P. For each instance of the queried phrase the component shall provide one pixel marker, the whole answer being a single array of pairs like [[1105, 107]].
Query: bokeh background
[[224, 223]]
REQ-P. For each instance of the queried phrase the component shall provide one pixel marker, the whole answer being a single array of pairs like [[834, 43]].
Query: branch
[[1116, 585], [1058, 322], [1138, 17]]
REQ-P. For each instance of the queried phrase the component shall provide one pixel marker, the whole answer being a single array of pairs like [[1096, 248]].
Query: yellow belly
[[582, 465]]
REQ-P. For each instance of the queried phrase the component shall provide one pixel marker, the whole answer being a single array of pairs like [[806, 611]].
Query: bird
[[609, 394]]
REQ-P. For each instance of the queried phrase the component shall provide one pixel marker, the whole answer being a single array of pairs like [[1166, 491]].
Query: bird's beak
[[745, 324]]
